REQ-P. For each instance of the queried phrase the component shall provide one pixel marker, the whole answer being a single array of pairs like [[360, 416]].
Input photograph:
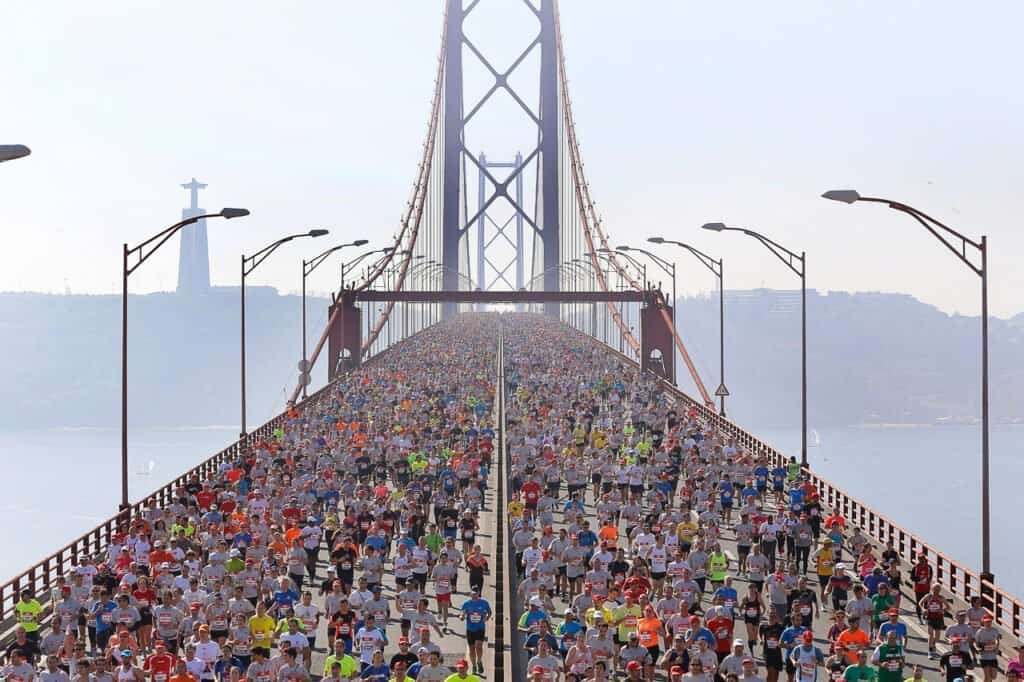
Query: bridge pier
[[657, 346], [344, 341]]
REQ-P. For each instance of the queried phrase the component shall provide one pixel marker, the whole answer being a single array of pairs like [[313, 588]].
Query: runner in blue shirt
[[778, 475], [789, 640], [587, 537], [796, 499], [761, 474], [284, 598], [476, 612], [893, 624]]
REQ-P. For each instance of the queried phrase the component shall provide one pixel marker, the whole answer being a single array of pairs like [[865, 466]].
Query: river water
[[61, 483]]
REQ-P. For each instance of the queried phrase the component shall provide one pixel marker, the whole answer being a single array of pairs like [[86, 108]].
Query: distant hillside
[[879, 358], [872, 358], [62, 357]]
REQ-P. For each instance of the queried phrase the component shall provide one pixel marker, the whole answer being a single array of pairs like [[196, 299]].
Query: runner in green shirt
[[434, 540], [861, 671], [889, 659], [882, 602]]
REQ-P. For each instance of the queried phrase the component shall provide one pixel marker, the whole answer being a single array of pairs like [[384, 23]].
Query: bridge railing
[[959, 580], [41, 577]]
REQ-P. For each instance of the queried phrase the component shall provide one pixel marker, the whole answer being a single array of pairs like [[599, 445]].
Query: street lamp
[[641, 267], [717, 269], [10, 152], [141, 253], [667, 268], [957, 243], [791, 260], [308, 266], [345, 267], [250, 263]]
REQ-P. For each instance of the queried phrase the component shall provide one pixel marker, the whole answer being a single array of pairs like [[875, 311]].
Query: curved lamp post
[[716, 268], [250, 263], [141, 254], [797, 262], [958, 244]]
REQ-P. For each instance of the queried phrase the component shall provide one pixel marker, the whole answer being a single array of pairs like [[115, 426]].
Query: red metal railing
[[42, 575]]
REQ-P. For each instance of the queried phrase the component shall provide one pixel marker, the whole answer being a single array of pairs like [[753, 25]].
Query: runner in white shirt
[[368, 640]]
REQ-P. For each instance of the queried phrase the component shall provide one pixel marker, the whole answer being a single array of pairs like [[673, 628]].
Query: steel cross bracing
[[500, 231]]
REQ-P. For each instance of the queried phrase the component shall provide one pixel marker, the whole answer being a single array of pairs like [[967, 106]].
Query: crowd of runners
[[351, 536], [356, 544], [649, 546]]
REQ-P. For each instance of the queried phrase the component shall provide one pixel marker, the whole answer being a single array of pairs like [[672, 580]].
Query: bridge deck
[[530, 349]]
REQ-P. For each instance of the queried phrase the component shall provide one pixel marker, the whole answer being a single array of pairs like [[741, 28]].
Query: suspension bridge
[[513, 227]]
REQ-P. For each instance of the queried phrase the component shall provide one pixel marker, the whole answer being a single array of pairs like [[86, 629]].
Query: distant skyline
[[313, 116]]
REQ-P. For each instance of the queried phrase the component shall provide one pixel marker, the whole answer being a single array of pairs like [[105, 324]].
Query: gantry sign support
[[657, 352]]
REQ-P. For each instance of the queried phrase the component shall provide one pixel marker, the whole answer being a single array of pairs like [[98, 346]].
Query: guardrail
[[42, 575]]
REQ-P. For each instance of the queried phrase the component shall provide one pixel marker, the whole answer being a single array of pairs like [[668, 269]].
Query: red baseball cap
[[633, 665], [808, 636]]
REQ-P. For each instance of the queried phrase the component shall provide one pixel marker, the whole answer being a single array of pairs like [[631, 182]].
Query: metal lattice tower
[[543, 216], [491, 270]]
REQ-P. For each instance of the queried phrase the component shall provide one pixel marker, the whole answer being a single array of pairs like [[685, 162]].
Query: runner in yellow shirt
[[626, 618], [262, 627], [30, 612]]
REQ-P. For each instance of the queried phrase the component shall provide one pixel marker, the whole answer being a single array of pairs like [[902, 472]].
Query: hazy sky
[[313, 114]]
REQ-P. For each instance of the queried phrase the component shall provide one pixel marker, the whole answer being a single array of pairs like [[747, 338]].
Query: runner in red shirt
[[921, 575], [205, 498], [531, 495], [160, 664], [721, 628]]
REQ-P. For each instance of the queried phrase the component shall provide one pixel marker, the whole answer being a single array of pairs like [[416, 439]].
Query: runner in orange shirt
[[854, 639], [651, 632]]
